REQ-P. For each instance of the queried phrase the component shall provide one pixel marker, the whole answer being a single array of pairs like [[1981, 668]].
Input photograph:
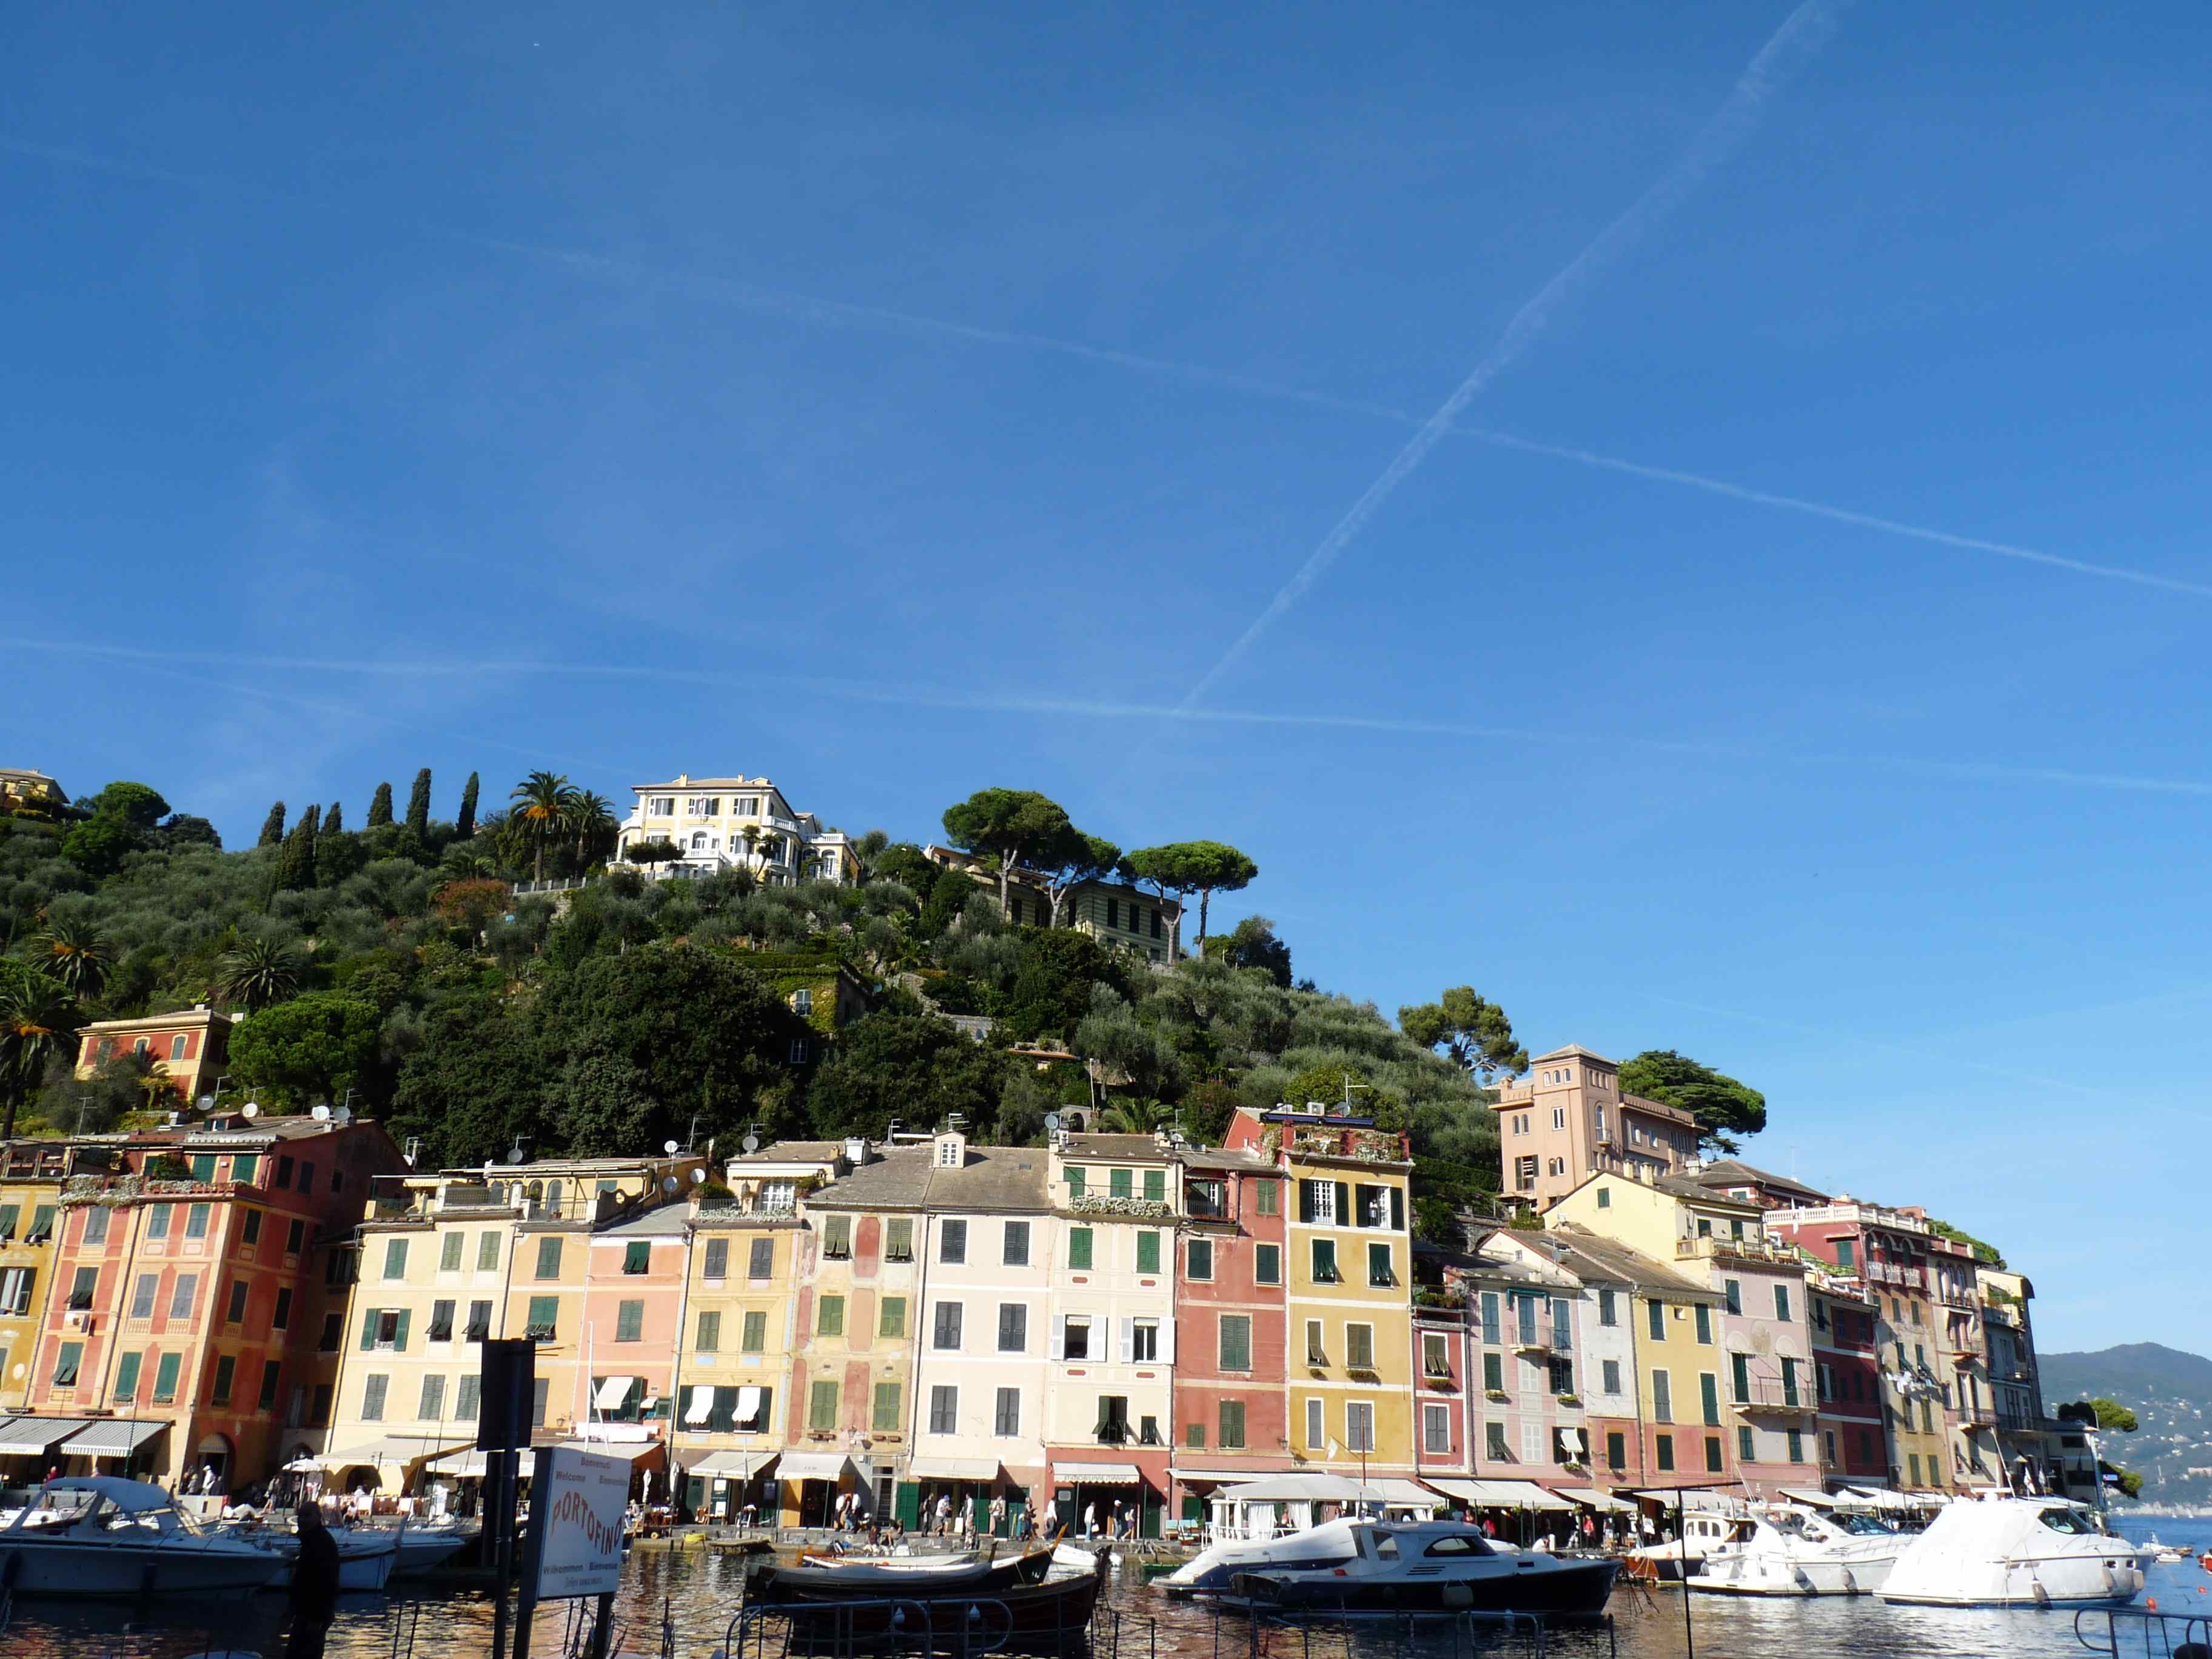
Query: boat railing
[[2154, 1635]]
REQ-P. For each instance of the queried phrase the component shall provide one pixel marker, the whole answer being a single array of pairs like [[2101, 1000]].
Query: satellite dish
[[321, 1114], [668, 1147], [252, 1108], [1052, 1119], [668, 1183], [698, 1177], [206, 1102], [341, 1114], [751, 1143]]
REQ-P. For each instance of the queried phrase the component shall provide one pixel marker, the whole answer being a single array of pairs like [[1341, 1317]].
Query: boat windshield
[[1383, 1544], [2072, 1522], [1862, 1526]]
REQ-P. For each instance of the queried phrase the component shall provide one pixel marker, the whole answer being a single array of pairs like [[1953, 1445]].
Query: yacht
[[2017, 1551], [100, 1535], [367, 1555], [1705, 1533], [1790, 1550], [1362, 1566]]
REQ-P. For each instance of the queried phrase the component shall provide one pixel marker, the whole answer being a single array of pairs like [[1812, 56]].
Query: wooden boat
[[1049, 1618], [825, 1578]]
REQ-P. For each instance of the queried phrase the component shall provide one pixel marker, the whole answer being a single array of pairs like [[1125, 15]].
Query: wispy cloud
[[92, 162], [1794, 44]]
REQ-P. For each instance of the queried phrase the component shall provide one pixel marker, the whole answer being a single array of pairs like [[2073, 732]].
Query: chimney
[[856, 1151]]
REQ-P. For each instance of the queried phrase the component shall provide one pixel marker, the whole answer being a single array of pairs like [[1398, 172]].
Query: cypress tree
[[418, 805], [333, 822], [465, 825], [272, 827], [297, 869], [379, 807]]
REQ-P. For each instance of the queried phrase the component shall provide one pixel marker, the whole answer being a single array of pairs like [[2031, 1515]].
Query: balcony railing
[[1766, 1394]]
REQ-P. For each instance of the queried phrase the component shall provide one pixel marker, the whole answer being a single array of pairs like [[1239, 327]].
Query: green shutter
[[1119, 1183], [399, 1336], [886, 1419], [1078, 1247], [1148, 1252], [367, 1329], [821, 1406], [1709, 1396], [449, 1253], [894, 1320], [165, 1376], [1156, 1185], [832, 1320], [127, 1378]]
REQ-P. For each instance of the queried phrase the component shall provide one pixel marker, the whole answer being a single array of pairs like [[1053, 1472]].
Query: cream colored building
[[737, 824]]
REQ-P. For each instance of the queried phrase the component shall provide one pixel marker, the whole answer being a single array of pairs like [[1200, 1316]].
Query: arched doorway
[[210, 1469]]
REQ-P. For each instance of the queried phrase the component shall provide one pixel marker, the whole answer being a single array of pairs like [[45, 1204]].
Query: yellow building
[[448, 1261], [1349, 1364], [31, 1173]]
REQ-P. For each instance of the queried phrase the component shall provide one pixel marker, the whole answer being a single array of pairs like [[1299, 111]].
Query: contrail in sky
[[1792, 45]]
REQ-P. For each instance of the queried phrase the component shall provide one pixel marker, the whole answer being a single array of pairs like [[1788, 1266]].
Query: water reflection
[[698, 1593]]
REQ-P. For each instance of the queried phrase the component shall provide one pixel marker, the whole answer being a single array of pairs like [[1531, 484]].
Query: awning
[[953, 1468], [117, 1438], [1097, 1474], [1500, 1494], [28, 1437], [1294, 1489], [1398, 1495], [1807, 1495], [462, 1466], [1572, 1438], [1881, 1497], [731, 1465], [1219, 1477], [613, 1390], [701, 1406], [635, 1451], [1591, 1498], [821, 1466], [1692, 1497], [394, 1449]]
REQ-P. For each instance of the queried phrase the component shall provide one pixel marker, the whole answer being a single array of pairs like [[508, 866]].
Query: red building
[[1854, 1432], [1232, 1390], [198, 1294], [187, 1046]]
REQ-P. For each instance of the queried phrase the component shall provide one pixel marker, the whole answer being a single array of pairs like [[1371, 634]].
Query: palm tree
[[75, 954], [590, 819], [546, 798], [256, 972], [37, 1023]]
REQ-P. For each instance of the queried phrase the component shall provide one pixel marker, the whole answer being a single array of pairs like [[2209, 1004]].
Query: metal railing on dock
[[2156, 1635], [1441, 1634]]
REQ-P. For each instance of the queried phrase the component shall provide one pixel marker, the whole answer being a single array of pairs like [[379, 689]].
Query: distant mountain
[[2171, 1394]]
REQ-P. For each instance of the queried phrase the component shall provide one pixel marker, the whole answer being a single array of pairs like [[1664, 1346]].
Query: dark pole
[[1682, 1542]]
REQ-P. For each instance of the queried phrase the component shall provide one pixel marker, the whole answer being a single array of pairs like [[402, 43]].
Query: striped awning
[[1097, 1474], [28, 1437], [116, 1437], [1499, 1494], [392, 1451], [1591, 1498]]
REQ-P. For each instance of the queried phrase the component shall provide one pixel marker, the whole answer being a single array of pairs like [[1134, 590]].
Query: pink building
[[1567, 1120]]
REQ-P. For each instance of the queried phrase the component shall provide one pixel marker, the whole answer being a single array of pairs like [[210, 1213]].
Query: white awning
[[817, 1466], [393, 1450], [749, 1409], [1591, 1498], [613, 1390], [1572, 1439], [29, 1436], [1294, 1489], [462, 1466], [1499, 1494], [117, 1438], [1819, 1499], [1097, 1474], [635, 1451], [1881, 1498], [953, 1468], [701, 1406], [1398, 1495], [731, 1465], [1692, 1497], [1219, 1477]]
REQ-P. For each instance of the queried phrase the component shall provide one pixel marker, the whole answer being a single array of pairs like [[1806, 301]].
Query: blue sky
[[899, 400]]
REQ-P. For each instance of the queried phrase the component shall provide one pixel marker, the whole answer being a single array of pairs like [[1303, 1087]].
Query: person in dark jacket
[[314, 1586]]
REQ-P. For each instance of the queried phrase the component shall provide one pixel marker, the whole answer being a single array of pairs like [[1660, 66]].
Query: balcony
[[1758, 1249], [1979, 1415], [1772, 1398]]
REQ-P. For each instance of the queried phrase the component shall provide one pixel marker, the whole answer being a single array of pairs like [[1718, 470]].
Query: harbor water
[[696, 1591]]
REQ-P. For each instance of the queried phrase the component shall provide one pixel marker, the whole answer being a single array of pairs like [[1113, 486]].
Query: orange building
[[190, 1046]]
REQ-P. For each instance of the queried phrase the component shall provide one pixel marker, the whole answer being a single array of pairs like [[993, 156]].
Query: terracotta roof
[[1583, 1252], [1735, 1172]]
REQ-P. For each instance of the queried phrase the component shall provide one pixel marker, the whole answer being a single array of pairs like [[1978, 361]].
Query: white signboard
[[577, 1503]]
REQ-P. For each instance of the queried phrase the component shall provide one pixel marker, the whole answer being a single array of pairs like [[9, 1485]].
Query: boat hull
[[1053, 1618], [1792, 1575], [868, 1579], [95, 1569], [1546, 1584]]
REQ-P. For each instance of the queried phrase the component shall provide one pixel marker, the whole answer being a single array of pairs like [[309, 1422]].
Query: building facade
[[1853, 1427], [1118, 912], [189, 1046], [737, 823], [1568, 1120]]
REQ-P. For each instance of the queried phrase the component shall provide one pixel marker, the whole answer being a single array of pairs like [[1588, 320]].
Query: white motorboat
[[2164, 1554], [422, 1549], [367, 1556], [1362, 1566], [1705, 1532], [100, 1535], [2016, 1552], [1790, 1550]]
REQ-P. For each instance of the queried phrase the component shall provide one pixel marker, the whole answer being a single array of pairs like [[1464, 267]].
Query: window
[[829, 1317], [333, 1327], [1709, 1398], [540, 1392], [66, 1363], [1075, 1336], [1148, 1251], [1494, 1444], [1658, 1320], [1782, 1302], [1233, 1426], [1663, 1398], [898, 1239], [1006, 1413], [710, 1333], [1317, 1202], [944, 1409], [486, 1252], [1493, 1373], [1733, 1290], [1846, 1253], [1015, 1252], [1746, 1449], [544, 1317], [946, 1339], [233, 1313], [1524, 1309], [479, 1328], [1358, 1426], [467, 1398], [196, 1219], [1360, 1347], [157, 1222], [822, 1407], [372, 1393], [431, 1407], [1013, 1327], [126, 1379], [1198, 1260], [760, 1259], [1616, 1451], [952, 1241], [1714, 1461], [1562, 1374], [449, 1254], [1267, 1198], [1379, 1269], [281, 1317], [1156, 1185], [1705, 1317], [1789, 1381], [1797, 1445], [1266, 1264], [885, 1418], [1113, 1426], [716, 1265], [1317, 1434], [549, 1258], [1235, 1341], [1663, 1444], [629, 1321], [1609, 1376], [183, 1294], [1324, 1261], [637, 1257]]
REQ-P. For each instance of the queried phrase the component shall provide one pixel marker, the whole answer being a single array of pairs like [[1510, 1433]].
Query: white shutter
[[1128, 1341], [1167, 1341], [1059, 1336]]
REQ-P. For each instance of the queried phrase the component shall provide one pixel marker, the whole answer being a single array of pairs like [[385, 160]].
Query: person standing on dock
[[314, 1586]]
